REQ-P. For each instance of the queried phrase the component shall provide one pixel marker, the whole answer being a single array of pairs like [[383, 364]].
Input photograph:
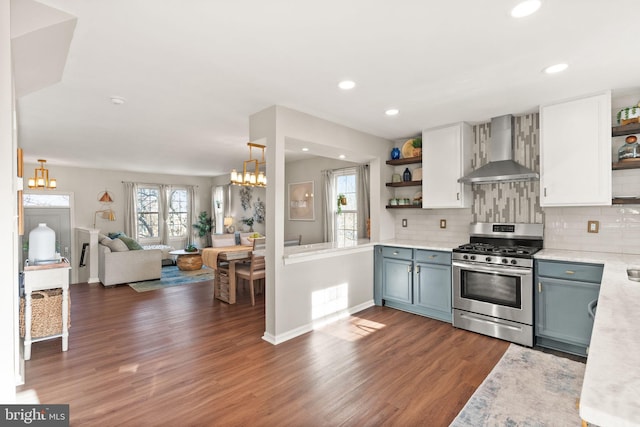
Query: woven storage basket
[[46, 313]]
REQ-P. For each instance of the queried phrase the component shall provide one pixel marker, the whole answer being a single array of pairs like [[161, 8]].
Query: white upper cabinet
[[446, 157], [575, 152]]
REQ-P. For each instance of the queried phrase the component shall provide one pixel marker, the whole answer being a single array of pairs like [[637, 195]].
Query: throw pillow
[[117, 245], [131, 243]]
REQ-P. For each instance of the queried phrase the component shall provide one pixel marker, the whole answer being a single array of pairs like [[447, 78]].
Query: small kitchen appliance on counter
[[493, 280]]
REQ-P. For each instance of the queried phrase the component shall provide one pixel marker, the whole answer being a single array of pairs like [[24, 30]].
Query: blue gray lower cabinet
[[564, 292], [413, 280]]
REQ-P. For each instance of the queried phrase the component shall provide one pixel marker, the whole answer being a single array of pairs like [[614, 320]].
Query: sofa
[[126, 266]]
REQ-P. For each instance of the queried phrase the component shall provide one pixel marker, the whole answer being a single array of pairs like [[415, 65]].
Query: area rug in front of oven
[[172, 276], [526, 388]]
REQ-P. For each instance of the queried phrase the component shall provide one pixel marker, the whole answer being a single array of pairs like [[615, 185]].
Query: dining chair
[[253, 271]]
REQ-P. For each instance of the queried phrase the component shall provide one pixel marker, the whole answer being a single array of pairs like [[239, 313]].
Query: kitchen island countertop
[[611, 388]]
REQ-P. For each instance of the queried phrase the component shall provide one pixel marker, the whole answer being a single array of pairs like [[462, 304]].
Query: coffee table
[[188, 261]]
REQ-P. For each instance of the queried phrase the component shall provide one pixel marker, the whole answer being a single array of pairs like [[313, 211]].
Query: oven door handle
[[494, 268]]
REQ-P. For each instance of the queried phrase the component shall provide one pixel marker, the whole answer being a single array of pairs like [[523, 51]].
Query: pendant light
[[41, 178], [251, 175]]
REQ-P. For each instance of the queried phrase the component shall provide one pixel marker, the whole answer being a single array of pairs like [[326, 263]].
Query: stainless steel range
[[493, 281]]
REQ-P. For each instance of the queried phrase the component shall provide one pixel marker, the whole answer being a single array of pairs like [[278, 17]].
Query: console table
[[39, 278]]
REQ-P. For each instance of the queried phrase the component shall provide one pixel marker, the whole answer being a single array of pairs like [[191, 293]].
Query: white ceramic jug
[[42, 244]]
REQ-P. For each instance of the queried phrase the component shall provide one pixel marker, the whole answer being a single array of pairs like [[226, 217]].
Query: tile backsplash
[[509, 201], [564, 228]]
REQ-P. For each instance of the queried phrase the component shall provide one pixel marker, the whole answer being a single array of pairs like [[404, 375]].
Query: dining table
[[223, 261]]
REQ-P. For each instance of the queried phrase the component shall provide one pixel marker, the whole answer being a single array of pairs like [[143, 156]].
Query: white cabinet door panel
[[575, 152], [445, 158]]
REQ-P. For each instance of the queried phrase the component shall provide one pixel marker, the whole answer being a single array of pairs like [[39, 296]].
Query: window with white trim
[[150, 213], [178, 213], [147, 208], [346, 222]]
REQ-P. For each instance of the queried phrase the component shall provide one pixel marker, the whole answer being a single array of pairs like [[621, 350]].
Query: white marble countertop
[[611, 388], [322, 250], [292, 252]]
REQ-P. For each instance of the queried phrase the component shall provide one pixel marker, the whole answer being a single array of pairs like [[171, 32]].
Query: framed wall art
[[301, 206]]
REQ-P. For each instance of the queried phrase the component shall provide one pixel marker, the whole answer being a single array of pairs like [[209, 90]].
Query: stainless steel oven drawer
[[436, 257], [494, 327], [393, 252], [570, 271]]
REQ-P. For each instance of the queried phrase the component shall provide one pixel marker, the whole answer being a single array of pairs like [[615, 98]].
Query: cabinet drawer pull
[[457, 196], [569, 272], [539, 287], [395, 252], [433, 256], [417, 269]]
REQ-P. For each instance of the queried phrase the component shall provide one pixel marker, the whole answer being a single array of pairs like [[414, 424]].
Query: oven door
[[494, 290]]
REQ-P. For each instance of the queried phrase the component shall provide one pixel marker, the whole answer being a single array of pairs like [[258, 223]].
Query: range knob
[[505, 261], [465, 256], [514, 261], [472, 257], [488, 259]]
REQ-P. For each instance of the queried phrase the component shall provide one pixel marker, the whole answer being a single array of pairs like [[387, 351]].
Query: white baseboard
[[318, 323]]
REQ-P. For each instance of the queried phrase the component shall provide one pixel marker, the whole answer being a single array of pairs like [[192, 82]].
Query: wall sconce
[[41, 178], [107, 214], [105, 197]]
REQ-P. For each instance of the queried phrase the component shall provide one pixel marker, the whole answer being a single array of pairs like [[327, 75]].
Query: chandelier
[[41, 178], [251, 174]]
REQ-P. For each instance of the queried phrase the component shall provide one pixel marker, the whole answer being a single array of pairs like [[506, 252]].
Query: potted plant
[[191, 248], [342, 201], [204, 226], [417, 146], [248, 222]]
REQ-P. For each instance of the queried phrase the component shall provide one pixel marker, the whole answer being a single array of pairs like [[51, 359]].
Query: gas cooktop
[[506, 244], [489, 248]]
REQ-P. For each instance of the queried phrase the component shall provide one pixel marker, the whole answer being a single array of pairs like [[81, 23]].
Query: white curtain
[[362, 175], [192, 200], [163, 212], [328, 197], [130, 217]]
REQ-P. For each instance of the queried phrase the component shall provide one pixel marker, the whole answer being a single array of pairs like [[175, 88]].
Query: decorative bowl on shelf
[[412, 148]]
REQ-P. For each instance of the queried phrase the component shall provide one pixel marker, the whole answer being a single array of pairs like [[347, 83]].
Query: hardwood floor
[[175, 357]]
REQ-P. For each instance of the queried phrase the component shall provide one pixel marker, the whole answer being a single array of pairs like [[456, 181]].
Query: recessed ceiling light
[[552, 69], [117, 100], [305, 149], [525, 8], [347, 84], [342, 156], [392, 112]]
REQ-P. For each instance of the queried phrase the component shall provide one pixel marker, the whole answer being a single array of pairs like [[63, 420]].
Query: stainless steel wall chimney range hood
[[501, 166]]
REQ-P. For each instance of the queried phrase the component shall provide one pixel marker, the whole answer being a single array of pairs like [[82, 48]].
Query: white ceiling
[[193, 71]]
